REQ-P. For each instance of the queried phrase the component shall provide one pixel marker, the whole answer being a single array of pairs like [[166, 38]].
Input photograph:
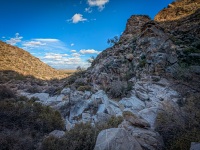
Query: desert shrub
[[28, 115], [16, 140], [128, 113], [34, 89], [128, 76], [84, 88], [81, 137], [51, 90], [79, 82], [142, 63], [179, 133], [189, 50], [23, 123], [76, 75], [182, 72], [196, 44], [113, 122], [5, 92], [118, 89]]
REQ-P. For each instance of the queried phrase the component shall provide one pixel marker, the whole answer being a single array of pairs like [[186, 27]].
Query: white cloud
[[64, 61], [77, 18], [55, 56], [47, 40], [47, 45], [72, 44], [15, 40], [99, 3], [3, 37], [76, 54], [88, 10], [73, 51], [32, 44], [89, 51]]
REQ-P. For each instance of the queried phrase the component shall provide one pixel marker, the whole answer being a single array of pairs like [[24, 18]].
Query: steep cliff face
[[143, 51], [150, 48]]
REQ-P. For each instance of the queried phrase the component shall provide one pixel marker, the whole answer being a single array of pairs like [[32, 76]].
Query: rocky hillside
[[16, 59], [142, 93], [178, 10]]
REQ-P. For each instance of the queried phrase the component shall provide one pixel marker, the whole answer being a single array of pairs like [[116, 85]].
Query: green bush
[[84, 88], [142, 63], [179, 133], [16, 140], [81, 137], [6, 93], [119, 89], [23, 123]]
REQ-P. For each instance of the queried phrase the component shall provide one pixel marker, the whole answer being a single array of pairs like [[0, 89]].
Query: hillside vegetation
[[22, 62], [177, 10]]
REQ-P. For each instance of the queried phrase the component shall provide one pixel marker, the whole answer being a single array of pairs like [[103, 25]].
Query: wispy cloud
[[33, 44], [72, 44], [47, 40], [88, 10], [47, 45], [55, 56], [77, 18], [98, 3], [64, 61], [76, 54], [89, 51], [73, 51], [15, 40]]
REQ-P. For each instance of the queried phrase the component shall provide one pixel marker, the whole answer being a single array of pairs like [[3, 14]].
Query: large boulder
[[147, 138], [100, 97], [195, 146], [116, 139], [77, 110], [150, 115], [57, 133], [133, 103]]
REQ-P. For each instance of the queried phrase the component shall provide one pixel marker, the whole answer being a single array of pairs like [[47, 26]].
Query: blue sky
[[65, 33]]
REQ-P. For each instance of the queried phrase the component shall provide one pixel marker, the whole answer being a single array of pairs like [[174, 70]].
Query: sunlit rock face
[[177, 10]]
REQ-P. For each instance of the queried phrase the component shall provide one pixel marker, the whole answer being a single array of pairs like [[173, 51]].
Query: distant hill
[[18, 60]]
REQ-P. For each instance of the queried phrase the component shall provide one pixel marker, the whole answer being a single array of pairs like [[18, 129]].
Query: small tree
[[113, 41], [80, 69], [91, 59]]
